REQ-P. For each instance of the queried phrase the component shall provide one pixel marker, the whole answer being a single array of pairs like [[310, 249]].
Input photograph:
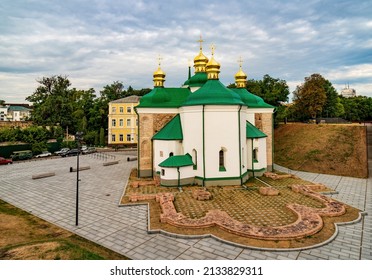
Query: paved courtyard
[[123, 229]]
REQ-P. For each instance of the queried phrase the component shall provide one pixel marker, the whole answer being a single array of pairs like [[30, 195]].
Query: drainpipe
[[138, 143], [179, 177], [203, 147], [240, 148], [252, 159]]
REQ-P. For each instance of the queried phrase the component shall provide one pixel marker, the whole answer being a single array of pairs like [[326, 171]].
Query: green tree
[[310, 97], [102, 137], [332, 105]]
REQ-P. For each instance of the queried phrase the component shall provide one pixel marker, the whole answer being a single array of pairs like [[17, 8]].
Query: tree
[[272, 90], [310, 97], [2, 102], [53, 102], [332, 106]]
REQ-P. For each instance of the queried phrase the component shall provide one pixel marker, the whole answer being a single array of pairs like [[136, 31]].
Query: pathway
[[123, 229]]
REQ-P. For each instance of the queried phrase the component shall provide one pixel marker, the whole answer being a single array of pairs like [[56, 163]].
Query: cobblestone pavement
[[123, 229]]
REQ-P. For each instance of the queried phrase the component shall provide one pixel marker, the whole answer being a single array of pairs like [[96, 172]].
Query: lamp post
[[78, 138]]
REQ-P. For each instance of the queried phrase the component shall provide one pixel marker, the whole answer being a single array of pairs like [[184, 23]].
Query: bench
[[43, 175]]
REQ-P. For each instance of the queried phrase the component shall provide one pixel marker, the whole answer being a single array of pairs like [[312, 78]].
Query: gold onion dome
[[240, 77], [200, 61], [213, 67], [159, 76]]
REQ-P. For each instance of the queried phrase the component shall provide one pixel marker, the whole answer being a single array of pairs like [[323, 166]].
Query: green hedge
[[6, 151]]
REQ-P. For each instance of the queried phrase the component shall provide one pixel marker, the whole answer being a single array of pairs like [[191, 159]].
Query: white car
[[44, 154]]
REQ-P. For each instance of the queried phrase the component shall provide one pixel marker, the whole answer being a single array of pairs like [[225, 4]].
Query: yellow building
[[123, 122]]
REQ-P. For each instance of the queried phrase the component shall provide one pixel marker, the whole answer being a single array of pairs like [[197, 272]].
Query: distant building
[[18, 113], [3, 113], [123, 122], [348, 92]]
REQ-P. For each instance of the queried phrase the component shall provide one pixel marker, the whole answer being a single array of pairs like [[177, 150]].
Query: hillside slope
[[328, 149]]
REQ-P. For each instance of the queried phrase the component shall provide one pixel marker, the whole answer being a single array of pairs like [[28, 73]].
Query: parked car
[[20, 155], [44, 154], [89, 150], [63, 150], [72, 152], [5, 161]]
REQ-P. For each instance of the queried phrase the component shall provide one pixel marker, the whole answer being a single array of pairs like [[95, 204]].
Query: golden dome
[[200, 61], [159, 76], [213, 67], [240, 77]]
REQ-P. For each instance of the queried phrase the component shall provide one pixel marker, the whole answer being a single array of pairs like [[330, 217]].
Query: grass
[[26, 237], [328, 149]]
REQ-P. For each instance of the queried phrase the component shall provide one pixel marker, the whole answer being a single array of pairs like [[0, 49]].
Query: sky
[[97, 42]]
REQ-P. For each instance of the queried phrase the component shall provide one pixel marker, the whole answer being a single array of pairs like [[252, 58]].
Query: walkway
[[123, 229]]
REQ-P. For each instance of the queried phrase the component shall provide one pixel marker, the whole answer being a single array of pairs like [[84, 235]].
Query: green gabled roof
[[161, 97], [18, 108], [250, 99], [253, 132], [198, 80], [177, 161], [171, 131], [213, 93]]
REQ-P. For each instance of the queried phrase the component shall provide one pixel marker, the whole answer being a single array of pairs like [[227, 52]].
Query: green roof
[[18, 108], [171, 131], [213, 93], [161, 97], [250, 99], [198, 80], [177, 161], [253, 132]]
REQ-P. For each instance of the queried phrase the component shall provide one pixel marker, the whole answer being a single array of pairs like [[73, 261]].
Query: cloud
[[98, 42]]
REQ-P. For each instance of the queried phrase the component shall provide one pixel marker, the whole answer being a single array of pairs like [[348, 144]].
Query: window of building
[[113, 122], [121, 122], [121, 137], [255, 155], [113, 139], [162, 172], [161, 153], [195, 159], [129, 109], [128, 137], [113, 110], [121, 109], [128, 122], [222, 160], [171, 154]]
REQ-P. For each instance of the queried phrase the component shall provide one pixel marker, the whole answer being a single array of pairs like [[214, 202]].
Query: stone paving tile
[[123, 229]]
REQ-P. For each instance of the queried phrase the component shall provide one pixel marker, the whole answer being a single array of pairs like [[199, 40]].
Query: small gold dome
[[213, 67], [159, 76], [240, 77]]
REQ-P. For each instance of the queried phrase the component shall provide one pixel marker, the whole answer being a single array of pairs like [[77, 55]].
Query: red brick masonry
[[309, 219]]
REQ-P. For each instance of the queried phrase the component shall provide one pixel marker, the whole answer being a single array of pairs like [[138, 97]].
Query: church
[[204, 133]]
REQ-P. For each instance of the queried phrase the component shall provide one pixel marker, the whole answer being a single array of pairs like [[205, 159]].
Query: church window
[[161, 153], [162, 172], [171, 154], [195, 159], [222, 160], [255, 155]]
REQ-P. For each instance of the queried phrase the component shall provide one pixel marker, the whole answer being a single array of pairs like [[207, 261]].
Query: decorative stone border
[[308, 223], [275, 176]]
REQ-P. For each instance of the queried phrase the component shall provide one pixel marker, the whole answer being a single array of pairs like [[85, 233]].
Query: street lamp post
[[78, 138]]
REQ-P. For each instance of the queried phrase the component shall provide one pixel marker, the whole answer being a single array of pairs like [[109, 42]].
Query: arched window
[[195, 158], [222, 160], [255, 155], [171, 154]]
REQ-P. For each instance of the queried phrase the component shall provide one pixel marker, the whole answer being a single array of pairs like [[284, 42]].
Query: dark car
[[72, 152], [63, 150], [5, 161]]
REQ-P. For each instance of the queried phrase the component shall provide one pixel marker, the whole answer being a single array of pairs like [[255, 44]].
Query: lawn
[[26, 237]]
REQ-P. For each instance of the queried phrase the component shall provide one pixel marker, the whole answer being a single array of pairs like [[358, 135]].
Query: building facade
[[123, 121], [204, 133]]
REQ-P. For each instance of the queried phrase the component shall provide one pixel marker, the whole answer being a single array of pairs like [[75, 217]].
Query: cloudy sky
[[97, 42]]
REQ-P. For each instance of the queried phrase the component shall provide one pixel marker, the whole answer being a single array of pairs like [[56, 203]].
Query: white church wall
[[221, 132], [162, 149]]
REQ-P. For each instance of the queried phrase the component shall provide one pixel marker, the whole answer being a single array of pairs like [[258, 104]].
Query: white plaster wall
[[259, 143], [172, 173], [166, 147], [192, 129], [221, 131]]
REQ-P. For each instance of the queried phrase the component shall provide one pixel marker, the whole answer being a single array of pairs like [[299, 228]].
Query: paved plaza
[[124, 229]]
